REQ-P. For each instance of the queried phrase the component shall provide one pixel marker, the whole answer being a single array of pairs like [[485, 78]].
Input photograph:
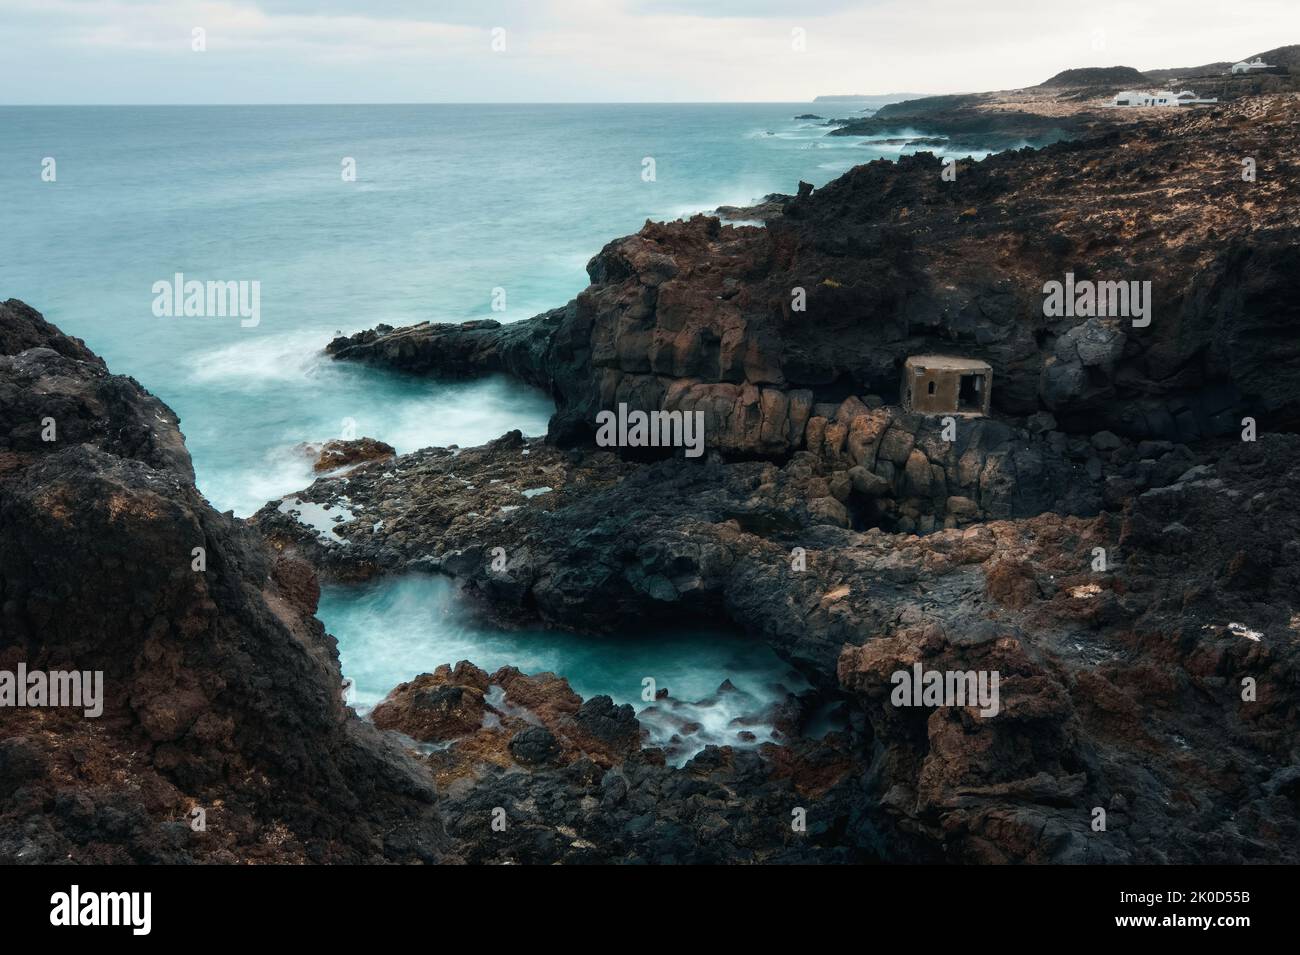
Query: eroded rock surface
[[222, 691], [340, 453], [1106, 544], [890, 260], [530, 772], [1122, 639]]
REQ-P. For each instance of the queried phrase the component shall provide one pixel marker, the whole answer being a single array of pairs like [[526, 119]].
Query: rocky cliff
[[223, 736], [756, 326], [1110, 542], [1157, 684]]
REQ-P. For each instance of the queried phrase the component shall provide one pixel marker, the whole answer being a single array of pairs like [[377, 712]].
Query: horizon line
[[842, 98]]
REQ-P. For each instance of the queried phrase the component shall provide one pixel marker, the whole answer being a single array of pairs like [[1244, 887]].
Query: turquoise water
[[424, 625], [449, 203]]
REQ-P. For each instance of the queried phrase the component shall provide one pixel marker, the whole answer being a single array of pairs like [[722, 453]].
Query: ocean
[[453, 208]]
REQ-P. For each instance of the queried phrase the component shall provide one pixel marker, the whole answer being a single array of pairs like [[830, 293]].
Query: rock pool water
[[394, 629]]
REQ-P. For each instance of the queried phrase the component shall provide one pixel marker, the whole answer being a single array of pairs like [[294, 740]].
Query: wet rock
[[771, 207], [613, 727], [431, 709], [535, 746], [339, 453]]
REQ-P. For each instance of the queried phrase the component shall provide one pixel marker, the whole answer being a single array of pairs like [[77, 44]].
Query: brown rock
[[917, 475], [865, 482], [963, 508], [800, 409], [850, 408], [896, 445], [431, 708], [841, 486], [814, 435], [545, 695], [827, 510], [338, 453], [833, 442]]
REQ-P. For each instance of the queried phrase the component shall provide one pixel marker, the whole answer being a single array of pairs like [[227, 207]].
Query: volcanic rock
[[340, 453], [222, 690], [884, 263]]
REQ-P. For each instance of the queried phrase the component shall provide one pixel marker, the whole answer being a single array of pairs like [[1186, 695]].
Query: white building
[[1256, 64], [1131, 98], [1163, 98]]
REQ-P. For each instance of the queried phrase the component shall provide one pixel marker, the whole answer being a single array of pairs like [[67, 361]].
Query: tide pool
[[425, 624]]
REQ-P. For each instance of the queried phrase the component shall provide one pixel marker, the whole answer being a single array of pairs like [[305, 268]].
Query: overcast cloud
[[333, 51]]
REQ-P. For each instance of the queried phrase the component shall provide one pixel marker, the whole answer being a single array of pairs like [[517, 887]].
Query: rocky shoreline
[[222, 689], [855, 537], [973, 123], [1103, 437], [1107, 677], [755, 325]]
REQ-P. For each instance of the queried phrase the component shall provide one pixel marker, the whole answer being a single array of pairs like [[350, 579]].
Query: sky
[[526, 51]]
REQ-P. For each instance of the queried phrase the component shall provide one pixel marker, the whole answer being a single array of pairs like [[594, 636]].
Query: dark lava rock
[[535, 746], [612, 724], [222, 690], [894, 261]]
